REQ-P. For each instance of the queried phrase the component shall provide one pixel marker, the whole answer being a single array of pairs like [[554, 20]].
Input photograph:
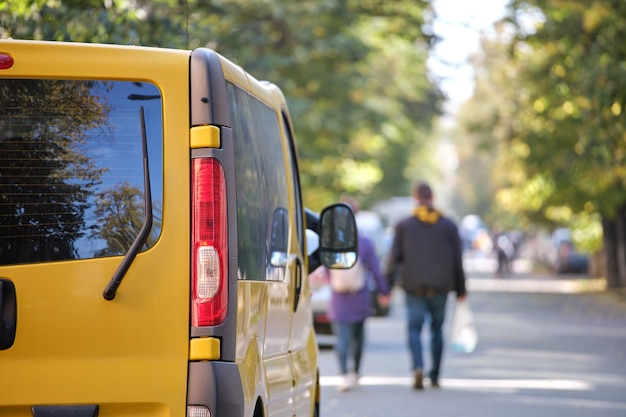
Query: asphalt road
[[544, 349]]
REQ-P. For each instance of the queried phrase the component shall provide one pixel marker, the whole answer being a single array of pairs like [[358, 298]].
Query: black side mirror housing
[[337, 243]]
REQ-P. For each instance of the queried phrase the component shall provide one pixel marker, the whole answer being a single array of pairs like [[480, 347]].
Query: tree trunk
[[609, 243], [597, 261], [614, 240], [620, 250]]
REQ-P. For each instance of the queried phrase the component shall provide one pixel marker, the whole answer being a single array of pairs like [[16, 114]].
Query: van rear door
[[81, 129]]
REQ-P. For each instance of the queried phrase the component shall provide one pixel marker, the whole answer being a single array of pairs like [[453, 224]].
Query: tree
[[334, 60], [567, 123], [353, 73], [142, 22]]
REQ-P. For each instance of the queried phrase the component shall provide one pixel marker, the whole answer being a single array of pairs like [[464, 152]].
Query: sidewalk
[[535, 283], [481, 277]]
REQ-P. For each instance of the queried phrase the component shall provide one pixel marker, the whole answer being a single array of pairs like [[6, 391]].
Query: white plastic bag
[[464, 336]]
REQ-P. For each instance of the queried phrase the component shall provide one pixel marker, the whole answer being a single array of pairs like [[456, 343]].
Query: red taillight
[[209, 280], [6, 61]]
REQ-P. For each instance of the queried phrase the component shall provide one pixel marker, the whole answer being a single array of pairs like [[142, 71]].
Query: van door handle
[[298, 284], [8, 314]]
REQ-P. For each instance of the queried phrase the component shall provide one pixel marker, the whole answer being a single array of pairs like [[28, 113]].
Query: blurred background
[[512, 110]]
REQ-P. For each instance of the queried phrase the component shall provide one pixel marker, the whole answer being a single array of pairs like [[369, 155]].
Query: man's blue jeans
[[418, 309], [350, 337]]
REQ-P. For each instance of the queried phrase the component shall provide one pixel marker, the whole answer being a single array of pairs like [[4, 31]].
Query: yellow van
[[153, 242]]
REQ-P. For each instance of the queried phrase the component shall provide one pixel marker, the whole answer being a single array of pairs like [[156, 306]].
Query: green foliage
[[554, 122], [570, 115], [353, 72]]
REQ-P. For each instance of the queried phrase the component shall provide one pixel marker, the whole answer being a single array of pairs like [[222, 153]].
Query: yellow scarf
[[426, 214]]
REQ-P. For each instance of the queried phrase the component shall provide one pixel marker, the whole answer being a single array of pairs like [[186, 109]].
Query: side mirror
[[338, 239]]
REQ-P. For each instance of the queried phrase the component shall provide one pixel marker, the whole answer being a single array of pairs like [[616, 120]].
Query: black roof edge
[[209, 103]]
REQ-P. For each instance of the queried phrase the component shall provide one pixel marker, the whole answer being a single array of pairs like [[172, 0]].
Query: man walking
[[427, 251]]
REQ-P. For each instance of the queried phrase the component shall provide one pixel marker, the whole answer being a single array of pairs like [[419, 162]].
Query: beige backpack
[[348, 280]]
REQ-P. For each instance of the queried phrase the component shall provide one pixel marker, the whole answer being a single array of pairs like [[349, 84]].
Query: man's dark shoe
[[418, 382], [434, 383]]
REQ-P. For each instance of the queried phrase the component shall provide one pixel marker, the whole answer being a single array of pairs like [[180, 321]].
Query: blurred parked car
[[474, 234], [320, 297], [563, 256], [319, 301]]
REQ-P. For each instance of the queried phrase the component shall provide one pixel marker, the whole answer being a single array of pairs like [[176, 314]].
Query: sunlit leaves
[[594, 15], [349, 69], [358, 177], [528, 196], [572, 76]]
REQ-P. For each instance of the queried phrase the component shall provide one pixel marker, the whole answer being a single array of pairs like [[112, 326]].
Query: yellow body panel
[[128, 355]]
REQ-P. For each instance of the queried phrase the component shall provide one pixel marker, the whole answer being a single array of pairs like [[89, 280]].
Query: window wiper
[[140, 240]]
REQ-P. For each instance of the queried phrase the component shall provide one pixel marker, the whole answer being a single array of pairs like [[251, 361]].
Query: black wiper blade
[[140, 240]]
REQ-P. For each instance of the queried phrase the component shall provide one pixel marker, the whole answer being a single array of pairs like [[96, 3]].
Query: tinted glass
[[338, 228], [262, 198], [71, 167], [293, 162]]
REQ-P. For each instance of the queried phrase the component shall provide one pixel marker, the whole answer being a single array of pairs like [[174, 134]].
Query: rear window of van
[[71, 167]]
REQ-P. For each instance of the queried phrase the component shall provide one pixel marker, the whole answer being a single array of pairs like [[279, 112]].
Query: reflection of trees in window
[[120, 214], [45, 179]]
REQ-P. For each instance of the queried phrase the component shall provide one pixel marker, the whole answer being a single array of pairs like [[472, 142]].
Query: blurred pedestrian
[[426, 259], [349, 307], [505, 251]]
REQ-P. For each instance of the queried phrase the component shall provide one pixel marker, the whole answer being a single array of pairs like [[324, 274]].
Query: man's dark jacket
[[426, 254]]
